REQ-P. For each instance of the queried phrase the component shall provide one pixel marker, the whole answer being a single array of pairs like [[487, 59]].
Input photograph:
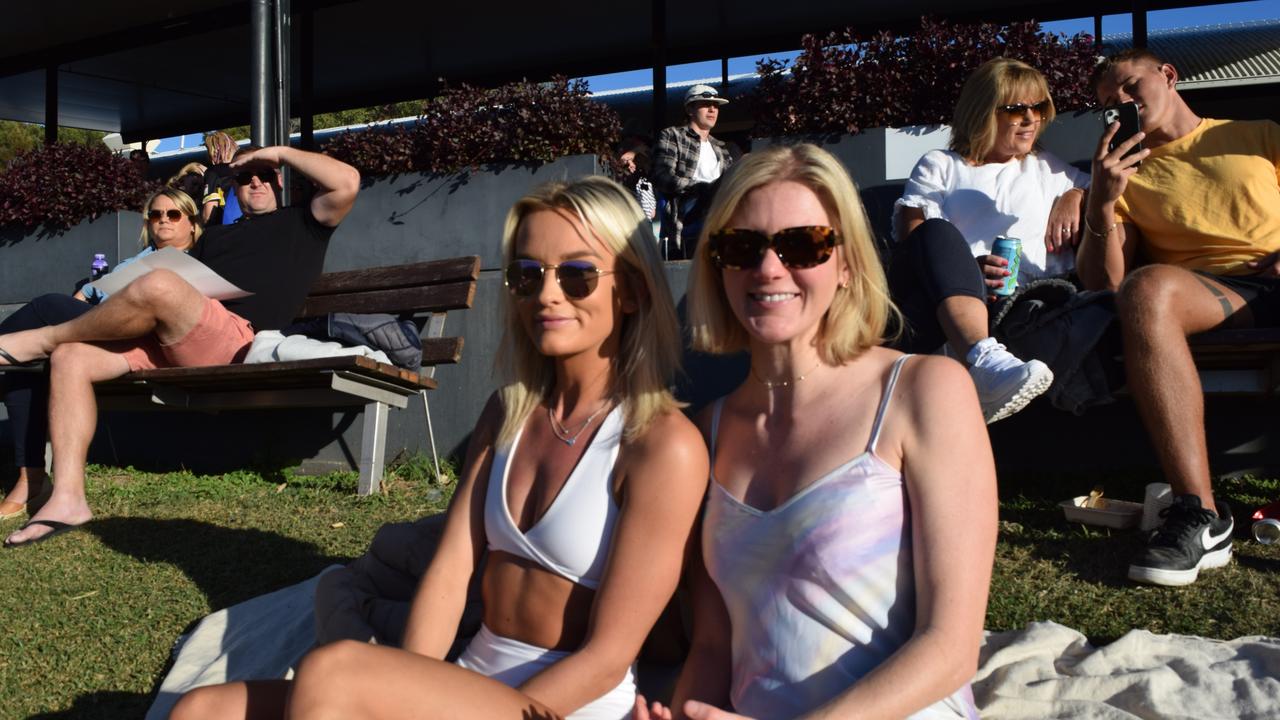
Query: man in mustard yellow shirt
[[1200, 206]]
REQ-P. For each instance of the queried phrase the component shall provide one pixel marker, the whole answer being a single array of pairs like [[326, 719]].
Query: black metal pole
[[260, 105], [306, 78], [283, 48], [51, 105], [282, 86], [659, 65], [1139, 24], [724, 76], [1097, 31]]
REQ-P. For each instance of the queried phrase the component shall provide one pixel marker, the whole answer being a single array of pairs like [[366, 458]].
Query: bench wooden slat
[[345, 362], [1244, 348], [1268, 337], [291, 374], [451, 296], [424, 273], [441, 351]]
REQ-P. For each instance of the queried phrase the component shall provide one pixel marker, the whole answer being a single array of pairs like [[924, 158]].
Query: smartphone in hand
[[1130, 125]]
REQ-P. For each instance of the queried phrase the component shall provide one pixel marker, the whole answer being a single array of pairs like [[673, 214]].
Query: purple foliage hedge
[[465, 127], [57, 186], [846, 81]]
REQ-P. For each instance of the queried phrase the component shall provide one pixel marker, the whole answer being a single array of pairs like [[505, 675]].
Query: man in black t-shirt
[[159, 320]]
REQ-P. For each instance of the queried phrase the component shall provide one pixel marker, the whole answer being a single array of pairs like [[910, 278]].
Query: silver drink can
[[1266, 531], [1009, 248]]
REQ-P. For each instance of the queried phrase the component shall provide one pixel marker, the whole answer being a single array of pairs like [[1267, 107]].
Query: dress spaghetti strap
[[884, 402]]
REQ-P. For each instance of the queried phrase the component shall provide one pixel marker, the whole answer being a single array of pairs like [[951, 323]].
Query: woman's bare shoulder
[[669, 455], [937, 391]]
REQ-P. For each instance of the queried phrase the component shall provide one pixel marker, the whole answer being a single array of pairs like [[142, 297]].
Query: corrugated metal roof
[[1244, 53]]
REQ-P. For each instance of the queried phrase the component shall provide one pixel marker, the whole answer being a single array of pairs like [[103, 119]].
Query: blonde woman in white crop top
[[850, 522], [582, 479]]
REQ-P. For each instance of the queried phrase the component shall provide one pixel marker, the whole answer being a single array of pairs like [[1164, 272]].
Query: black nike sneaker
[[1190, 539]]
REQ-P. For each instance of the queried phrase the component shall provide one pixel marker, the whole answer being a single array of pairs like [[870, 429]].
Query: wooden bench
[[424, 292], [1238, 362]]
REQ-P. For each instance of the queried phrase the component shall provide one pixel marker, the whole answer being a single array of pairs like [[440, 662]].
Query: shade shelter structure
[[153, 68]]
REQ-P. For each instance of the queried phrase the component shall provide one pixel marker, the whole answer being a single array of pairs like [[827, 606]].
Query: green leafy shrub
[[845, 81], [57, 186], [465, 127]]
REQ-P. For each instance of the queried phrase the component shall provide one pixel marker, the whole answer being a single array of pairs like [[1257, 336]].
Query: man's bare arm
[[1106, 250], [337, 183]]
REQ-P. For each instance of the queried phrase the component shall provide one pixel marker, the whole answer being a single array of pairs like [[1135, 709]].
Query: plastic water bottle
[[99, 267]]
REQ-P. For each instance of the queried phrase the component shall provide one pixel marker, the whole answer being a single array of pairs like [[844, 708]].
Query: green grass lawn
[[87, 621]]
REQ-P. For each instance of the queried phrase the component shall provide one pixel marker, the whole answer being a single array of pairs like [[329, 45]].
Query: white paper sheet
[[209, 283]]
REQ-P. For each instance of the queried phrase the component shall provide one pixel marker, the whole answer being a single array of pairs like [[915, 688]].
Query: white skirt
[[512, 662]]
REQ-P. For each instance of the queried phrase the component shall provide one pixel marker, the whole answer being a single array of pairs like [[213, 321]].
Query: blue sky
[[1111, 25]]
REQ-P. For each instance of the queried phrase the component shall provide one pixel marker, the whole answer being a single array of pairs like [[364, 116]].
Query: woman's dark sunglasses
[[172, 214], [246, 177], [577, 278], [1015, 113], [797, 247]]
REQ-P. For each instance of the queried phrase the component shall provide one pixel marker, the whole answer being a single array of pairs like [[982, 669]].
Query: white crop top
[[572, 538]]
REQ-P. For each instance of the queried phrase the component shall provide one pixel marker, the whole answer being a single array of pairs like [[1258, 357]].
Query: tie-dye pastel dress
[[820, 589]]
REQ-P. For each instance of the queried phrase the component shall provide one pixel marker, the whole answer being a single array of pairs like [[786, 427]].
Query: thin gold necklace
[[784, 383], [563, 433]]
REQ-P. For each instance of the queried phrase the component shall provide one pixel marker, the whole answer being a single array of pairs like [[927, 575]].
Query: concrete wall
[[36, 262], [417, 217]]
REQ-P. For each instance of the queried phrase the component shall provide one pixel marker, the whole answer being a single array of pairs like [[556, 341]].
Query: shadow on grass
[[106, 704], [1093, 555], [1032, 519], [228, 565], [1261, 564]]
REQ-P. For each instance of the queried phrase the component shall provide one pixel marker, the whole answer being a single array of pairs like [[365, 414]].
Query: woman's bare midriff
[[525, 602]]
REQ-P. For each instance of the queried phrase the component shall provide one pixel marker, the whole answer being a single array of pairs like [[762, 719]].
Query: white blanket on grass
[[1047, 671], [1043, 672], [263, 637]]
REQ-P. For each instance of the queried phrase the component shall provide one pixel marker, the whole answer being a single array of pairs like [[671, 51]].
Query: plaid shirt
[[676, 158]]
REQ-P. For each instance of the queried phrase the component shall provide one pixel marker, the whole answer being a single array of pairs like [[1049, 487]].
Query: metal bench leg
[[431, 435], [373, 445]]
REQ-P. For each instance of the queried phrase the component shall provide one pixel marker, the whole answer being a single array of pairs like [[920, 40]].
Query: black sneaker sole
[[1177, 578]]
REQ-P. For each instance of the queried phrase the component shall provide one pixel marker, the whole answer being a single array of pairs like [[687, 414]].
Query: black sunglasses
[[704, 95], [171, 213], [265, 176], [1015, 113], [577, 278], [797, 247]]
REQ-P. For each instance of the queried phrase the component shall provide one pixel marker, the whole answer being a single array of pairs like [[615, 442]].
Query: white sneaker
[[1005, 384]]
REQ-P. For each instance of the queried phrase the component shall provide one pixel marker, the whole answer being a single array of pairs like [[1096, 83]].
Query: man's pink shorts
[[221, 337]]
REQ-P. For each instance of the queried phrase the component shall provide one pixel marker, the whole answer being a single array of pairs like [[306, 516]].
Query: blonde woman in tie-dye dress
[[851, 516]]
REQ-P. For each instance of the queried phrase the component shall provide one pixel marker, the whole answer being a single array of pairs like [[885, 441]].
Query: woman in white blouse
[[991, 181]]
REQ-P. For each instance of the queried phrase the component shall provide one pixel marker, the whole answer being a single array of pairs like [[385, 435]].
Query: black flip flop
[[58, 529], [11, 363]]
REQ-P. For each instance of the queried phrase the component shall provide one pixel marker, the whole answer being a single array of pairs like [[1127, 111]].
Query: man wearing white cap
[[686, 163]]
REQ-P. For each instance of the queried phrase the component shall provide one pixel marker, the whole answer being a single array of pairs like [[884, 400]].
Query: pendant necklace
[[784, 383], [563, 433]]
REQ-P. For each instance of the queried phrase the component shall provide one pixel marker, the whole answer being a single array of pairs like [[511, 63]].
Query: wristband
[[1095, 233]]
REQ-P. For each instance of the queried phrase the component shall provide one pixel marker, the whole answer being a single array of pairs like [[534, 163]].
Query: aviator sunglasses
[[174, 215], [797, 247], [264, 176], [577, 278], [1015, 113]]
